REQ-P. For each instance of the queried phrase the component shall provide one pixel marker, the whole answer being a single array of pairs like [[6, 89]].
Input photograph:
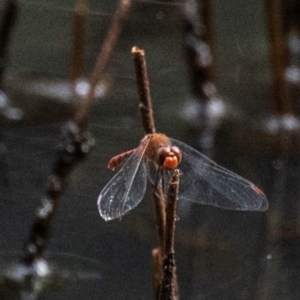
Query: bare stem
[[103, 58], [159, 203], [169, 286], [157, 270], [75, 147], [278, 50], [77, 55], [198, 48], [8, 21], [143, 89], [171, 206], [149, 127]]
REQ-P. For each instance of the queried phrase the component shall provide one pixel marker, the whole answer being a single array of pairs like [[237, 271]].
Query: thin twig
[[103, 58], [198, 48], [278, 48], [143, 89], [160, 207], [199, 53], [157, 263], [149, 127], [169, 287], [75, 147], [10, 15], [171, 206], [159, 252], [77, 54]]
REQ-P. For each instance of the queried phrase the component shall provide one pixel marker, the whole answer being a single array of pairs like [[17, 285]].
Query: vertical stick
[[149, 127], [143, 89], [159, 203], [77, 54], [198, 48], [169, 287], [75, 147], [171, 206], [103, 58], [198, 44], [8, 21], [278, 54]]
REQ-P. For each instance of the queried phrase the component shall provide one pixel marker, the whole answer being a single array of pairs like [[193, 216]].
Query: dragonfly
[[202, 180]]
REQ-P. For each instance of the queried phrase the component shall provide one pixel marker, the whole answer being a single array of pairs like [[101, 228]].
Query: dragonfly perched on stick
[[202, 180]]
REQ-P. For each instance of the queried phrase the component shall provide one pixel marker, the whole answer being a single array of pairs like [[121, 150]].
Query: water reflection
[[61, 271], [55, 89], [7, 110]]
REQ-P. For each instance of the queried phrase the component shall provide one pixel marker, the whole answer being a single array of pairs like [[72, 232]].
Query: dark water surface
[[221, 254]]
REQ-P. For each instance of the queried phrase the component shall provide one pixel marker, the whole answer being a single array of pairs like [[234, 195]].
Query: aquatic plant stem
[[198, 48], [149, 127], [159, 205], [9, 18], [169, 286], [77, 51], [278, 52], [103, 58], [171, 206], [143, 89], [159, 252], [75, 147]]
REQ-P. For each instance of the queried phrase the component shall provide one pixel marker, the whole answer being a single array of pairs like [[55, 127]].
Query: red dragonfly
[[202, 180]]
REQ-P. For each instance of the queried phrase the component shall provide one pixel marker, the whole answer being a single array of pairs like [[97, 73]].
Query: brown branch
[[75, 147], [77, 54], [198, 48], [157, 263], [159, 252], [143, 89], [160, 207], [169, 286], [10, 15], [149, 128], [171, 206], [278, 54], [102, 60]]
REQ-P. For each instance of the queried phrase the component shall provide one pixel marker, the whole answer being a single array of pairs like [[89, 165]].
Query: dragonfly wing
[[205, 182], [126, 189], [157, 176]]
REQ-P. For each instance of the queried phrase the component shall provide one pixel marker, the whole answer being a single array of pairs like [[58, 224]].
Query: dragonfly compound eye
[[176, 151], [169, 158]]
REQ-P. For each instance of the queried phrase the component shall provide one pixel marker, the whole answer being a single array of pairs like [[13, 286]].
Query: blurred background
[[221, 254]]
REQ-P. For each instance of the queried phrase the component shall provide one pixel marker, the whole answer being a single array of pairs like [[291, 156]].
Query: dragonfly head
[[169, 157]]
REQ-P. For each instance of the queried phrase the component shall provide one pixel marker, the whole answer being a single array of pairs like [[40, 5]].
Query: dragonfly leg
[[157, 177]]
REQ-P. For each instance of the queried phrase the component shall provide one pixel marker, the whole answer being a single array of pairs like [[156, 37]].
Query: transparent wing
[[205, 182], [126, 189], [154, 174]]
